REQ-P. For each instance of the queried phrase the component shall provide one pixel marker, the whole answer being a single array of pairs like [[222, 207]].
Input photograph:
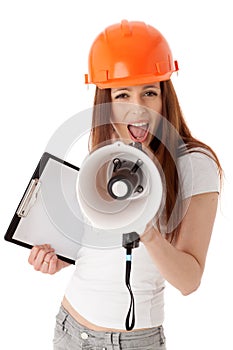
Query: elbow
[[190, 290], [193, 283]]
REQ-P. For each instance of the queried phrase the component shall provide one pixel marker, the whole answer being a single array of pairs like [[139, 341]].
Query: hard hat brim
[[129, 81]]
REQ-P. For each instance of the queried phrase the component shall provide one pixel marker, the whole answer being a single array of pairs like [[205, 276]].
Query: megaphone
[[119, 188]]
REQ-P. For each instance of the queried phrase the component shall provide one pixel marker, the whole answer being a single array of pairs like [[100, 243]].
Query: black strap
[[130, 241], [129, 326]]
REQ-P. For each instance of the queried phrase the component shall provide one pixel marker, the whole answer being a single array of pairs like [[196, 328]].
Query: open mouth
[[138, 131]]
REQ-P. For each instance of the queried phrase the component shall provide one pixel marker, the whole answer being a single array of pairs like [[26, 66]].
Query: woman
[[131, 63]]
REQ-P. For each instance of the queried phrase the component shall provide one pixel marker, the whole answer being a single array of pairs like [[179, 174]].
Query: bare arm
[[183, 265], [43, 258]]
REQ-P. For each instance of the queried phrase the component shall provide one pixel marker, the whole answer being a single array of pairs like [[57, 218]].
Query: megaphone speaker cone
[[140, 192]]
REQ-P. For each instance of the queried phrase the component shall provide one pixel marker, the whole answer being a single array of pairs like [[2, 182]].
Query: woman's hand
[[44, 259], [150, 233]]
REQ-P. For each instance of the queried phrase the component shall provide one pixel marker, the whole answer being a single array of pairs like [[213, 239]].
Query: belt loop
[[108, 340], [63, 324], [112, 340], [116, 340], [162, 337]]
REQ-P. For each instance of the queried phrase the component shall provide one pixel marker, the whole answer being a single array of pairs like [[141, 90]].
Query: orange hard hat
[[127, 54]]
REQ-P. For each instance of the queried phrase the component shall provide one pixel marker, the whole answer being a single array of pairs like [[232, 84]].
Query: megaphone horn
[[119, 188]]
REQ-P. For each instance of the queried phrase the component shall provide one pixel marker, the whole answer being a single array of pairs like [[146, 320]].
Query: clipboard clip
[[29, 198]]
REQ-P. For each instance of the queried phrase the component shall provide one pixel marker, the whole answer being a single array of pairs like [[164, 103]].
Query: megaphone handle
[[127, 282]]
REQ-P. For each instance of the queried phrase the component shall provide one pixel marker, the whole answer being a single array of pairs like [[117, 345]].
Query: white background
[[44, 47]]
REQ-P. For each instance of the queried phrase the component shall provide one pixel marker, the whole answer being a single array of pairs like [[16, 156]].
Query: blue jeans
[[70, 335]]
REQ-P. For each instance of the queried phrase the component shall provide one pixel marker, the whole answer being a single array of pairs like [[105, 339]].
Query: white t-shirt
[[97, 288]]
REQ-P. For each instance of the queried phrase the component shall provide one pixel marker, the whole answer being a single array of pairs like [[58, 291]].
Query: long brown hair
[[101, 134]]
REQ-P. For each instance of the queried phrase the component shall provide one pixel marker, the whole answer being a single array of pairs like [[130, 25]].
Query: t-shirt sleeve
[[198, 173]]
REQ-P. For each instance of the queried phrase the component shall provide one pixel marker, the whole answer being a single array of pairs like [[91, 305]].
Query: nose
[[137, 104], [137, 109]]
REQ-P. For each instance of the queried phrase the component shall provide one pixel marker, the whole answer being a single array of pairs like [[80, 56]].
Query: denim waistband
[[66, 319]]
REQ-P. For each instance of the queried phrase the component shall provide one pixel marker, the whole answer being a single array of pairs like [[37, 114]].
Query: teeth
[[139, 124]]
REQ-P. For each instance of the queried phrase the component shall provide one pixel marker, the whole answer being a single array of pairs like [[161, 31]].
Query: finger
[[47, 247], [40, 257], [53, 265], [47, 265], [149, 225], [44, 267], [35, 250], [33, 254], [49, 256]]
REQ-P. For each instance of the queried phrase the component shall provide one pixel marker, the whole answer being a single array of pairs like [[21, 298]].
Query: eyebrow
[[113, 90], [144, 88], [151, 86]]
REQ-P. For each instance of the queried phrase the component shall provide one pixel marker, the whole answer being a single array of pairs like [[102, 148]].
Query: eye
[[150, 93], [123, 95]]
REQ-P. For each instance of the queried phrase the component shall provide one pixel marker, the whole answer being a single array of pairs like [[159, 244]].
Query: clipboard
[[48, 211]]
